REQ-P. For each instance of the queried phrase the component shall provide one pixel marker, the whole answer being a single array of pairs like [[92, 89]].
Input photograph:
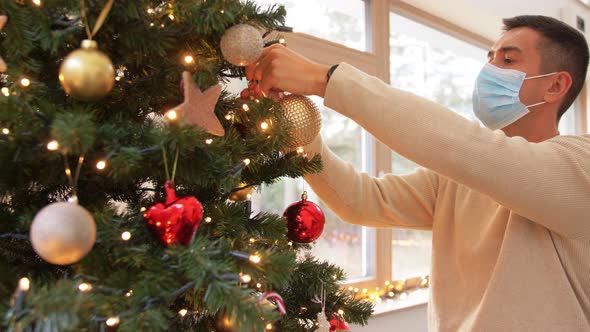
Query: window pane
[[340, 21], [346, 245], [441, 68]]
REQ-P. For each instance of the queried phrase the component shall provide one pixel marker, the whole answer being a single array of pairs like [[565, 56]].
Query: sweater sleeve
[[547, 183], [391, 201]]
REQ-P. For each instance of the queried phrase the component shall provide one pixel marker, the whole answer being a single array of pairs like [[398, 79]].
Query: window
[[442, 68], [340, 21]]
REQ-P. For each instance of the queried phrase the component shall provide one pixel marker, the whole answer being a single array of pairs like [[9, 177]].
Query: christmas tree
[[124, 196]]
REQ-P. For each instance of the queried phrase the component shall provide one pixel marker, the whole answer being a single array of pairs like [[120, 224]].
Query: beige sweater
[[510, 219]]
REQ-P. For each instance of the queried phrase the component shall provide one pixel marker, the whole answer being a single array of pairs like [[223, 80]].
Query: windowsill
[[415, 298]]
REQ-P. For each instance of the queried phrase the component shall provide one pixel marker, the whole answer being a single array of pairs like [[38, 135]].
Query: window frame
[[375, 61]]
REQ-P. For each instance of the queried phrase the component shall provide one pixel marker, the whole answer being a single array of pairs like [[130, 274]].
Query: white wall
[[484, 18]]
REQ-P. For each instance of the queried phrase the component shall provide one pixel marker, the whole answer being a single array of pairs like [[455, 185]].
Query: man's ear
[[560, 86]]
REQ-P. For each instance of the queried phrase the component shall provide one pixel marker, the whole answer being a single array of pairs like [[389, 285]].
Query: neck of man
[[537, 126]]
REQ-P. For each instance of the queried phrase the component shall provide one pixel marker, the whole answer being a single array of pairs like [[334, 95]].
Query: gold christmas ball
[[63, 233], [303, 117], [87, 73], [242, 195], [241, 45]]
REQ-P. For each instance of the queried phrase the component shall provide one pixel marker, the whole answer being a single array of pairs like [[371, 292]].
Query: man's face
[[518, 49]]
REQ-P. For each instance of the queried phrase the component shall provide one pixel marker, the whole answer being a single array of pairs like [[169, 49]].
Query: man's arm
[[548, 182], [390, 201]]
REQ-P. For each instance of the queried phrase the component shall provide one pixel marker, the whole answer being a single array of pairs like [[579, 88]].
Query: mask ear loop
[[539, 76]]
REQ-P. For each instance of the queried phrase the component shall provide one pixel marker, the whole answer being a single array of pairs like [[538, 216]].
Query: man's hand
[[280, 69]]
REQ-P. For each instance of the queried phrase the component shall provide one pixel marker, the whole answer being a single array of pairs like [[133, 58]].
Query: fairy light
[[5, 131], [365, 291], [264, 125], [142, 209], [37, 3], [25, 82], [208, 141], [152, 24], [117, 78], [101, 164], [24, 284], [228, 116], [207, 219], [379, 300], [162, 25], [334, 277], [222, 11], [245, 107], [126, 236], [290, 244], [5, 91], [300, 150], [182, 312], [171, 17], [53, 145], [282, 40], [113, 321], [246, 278], [391, 294], [350, 289], [269, 326], [252, 240], [246, 161], [258, 285], [356, 290], [84, 287], [188, 59], [387, 283], [129, 293], [172, 115], [150, 11], [254, 259], [340, 312]]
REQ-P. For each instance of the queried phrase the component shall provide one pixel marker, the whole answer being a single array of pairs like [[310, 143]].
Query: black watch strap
[[330, 72]]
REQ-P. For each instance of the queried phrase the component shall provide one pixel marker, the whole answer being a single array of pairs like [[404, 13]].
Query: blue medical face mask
[[496, 101]]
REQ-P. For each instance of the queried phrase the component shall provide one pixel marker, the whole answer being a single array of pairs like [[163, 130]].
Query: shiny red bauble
[[177, 220], [305, 221]]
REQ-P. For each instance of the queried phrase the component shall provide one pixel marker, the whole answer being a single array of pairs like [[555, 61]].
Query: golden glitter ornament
[[241, 45], [87, 73], [243, 194], [303, 117]]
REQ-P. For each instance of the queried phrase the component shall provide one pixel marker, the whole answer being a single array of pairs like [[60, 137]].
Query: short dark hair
[[563, 48]]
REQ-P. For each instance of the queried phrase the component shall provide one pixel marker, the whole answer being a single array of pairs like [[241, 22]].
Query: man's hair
[[562, 48]]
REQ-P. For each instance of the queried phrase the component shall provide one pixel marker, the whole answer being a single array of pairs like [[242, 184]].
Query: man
[[509, 209]]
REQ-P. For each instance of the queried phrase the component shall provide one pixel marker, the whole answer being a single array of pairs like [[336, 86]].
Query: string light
[[222, 11], [126, 236], [129, 293], [350, 289], [188, 59], [150, 10], [246, 278], [84, 287], [356, 290], [53, 145], [24, 284], [182, 312], [208, 141], [282, 40], [162, 25], [246, 161], [387, 283], [258, 285], [113, 321], [117, 78], [101, 165], [300, 150], [254, 259], [365, 291], [269, 326], [152, 24], [245, 107], [171, 17], [172, 115], [207, 219], [5, 91], [252, 240], [391, 294], [25, 82], [264, 125], [228, 116], [290, 244], [340, 312], [5, 131], [37, 2]]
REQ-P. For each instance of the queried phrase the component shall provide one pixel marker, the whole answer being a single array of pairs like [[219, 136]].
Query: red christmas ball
[[305, 221], [338, 325], [177, 220]]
